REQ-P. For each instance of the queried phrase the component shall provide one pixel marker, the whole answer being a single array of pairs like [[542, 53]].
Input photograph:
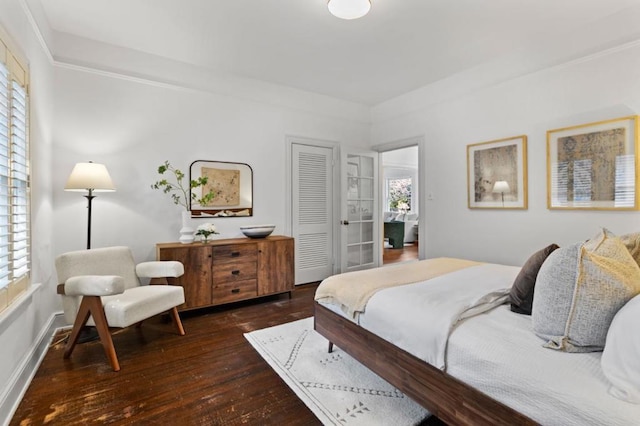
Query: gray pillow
[[579, 290]]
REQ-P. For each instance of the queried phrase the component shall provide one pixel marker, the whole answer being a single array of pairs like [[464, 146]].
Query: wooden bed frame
[[446, 397]]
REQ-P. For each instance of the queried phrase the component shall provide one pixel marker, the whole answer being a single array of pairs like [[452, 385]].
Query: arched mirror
[[231, 185]]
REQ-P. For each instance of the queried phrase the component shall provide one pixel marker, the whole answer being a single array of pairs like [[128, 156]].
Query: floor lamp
[[91, 177]]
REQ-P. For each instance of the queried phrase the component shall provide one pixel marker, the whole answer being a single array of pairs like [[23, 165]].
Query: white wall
[[600, 87], [22, 326], [133, 125]]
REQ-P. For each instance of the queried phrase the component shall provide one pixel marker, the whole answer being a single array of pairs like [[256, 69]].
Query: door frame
[[419, 141], [335, 214]]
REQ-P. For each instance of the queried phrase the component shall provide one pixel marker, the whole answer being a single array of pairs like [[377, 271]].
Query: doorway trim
[[335, 154], [420, 142]]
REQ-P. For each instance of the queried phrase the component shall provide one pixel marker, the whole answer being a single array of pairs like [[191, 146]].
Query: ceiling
[[400, 46]]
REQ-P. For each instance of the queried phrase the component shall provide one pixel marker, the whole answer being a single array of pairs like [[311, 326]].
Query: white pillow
[[621, 356], [411, 216]]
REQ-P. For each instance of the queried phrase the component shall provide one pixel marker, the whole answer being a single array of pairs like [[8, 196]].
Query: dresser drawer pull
[[235, 290], [235, 272], [235, 253]]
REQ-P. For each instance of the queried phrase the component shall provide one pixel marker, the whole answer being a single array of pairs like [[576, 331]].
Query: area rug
[[338, 389]]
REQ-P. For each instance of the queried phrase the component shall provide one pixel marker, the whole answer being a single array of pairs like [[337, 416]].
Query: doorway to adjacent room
[[400, 204]]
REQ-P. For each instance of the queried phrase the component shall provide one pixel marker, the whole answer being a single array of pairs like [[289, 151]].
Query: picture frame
[[593, 166], [232, 184], [497, 174]]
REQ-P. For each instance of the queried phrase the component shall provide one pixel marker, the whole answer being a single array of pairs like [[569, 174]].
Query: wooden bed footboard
[[448, 398]]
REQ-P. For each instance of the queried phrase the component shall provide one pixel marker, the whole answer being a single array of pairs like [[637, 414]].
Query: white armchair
[[101, 287]]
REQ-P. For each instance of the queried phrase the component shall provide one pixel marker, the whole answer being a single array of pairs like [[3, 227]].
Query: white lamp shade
[[501, 186], [349, 9], [85, 176]]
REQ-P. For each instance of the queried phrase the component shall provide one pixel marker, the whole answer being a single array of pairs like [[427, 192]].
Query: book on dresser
[[230, 270]]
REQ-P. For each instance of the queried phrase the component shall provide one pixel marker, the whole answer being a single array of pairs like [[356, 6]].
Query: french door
[[360, 233]]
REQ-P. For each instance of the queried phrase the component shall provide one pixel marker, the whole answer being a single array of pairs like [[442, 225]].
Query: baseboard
[[19, 382]]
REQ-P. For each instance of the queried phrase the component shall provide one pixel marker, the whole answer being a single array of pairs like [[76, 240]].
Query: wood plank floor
[[404, 254], [211, 376]]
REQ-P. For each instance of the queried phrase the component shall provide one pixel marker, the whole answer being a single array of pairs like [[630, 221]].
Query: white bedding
[[497, 351], [419, 317]]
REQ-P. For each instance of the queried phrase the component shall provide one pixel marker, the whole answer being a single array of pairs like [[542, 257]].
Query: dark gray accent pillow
[[521, 295]]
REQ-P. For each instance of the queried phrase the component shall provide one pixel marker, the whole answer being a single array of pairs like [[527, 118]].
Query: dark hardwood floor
[[210, 376]]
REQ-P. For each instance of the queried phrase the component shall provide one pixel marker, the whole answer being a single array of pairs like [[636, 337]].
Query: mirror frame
[[240, 191]]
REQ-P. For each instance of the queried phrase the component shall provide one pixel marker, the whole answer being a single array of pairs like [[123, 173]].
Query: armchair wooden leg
[[81, 320], [92, 305], [176, 320], [174, 311]]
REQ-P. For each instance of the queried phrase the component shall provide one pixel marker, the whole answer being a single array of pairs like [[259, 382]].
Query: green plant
[[179, 193]]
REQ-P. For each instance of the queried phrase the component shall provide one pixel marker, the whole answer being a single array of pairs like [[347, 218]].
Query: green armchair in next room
[[394, 231]]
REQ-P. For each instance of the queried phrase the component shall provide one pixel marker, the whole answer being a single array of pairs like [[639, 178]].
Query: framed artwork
[[231, 185], [593, 166], [497, 174]]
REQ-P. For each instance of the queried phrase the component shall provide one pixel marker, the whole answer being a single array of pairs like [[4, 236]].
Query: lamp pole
[[89, 198]]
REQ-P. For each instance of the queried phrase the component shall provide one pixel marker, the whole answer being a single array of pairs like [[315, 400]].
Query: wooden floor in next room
[[210, 376], [407, 253]]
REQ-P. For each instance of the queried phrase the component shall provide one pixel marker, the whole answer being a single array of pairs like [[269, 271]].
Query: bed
[[489, 368]]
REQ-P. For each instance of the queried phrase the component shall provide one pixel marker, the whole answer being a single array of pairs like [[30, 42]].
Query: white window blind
[[15, 259]]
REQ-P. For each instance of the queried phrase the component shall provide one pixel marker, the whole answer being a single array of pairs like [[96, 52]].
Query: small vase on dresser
[[186, 232]]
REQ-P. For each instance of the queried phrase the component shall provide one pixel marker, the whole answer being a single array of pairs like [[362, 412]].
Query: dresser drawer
[[232, 272], [234, 291], [233, 253]]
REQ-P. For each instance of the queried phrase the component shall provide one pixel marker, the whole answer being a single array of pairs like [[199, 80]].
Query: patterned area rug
[[338, 389]]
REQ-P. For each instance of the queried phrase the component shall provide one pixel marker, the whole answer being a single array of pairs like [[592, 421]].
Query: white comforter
[[419, 317], [498, 353]]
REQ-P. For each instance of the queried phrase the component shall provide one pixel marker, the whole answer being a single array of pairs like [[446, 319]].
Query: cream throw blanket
[[352, 290]]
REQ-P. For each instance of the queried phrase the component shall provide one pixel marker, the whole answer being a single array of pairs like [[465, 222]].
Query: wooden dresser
[[230, 270]]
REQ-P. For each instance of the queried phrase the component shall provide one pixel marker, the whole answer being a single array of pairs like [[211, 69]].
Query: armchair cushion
[[94, 285], [160, 269], [140, 303], [99, 261]]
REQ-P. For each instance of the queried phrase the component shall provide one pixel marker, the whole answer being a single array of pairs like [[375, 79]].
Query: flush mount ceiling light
[[349, 9]]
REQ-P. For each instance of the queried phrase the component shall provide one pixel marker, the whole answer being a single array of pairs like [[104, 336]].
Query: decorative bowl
[[257, 231]]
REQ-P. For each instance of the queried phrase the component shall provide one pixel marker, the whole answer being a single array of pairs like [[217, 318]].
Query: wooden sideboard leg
[[330, 346]]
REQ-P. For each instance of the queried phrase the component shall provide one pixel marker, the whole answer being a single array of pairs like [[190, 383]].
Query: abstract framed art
[[497, 174], [593, 166]]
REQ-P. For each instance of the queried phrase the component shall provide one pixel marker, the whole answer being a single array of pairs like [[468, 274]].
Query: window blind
[[15, 247]]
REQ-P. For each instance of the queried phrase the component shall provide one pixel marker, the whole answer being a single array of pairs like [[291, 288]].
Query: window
[[15, 259], [399, 194]]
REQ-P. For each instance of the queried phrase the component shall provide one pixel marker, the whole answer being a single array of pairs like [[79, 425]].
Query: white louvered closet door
[[312, 205]]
